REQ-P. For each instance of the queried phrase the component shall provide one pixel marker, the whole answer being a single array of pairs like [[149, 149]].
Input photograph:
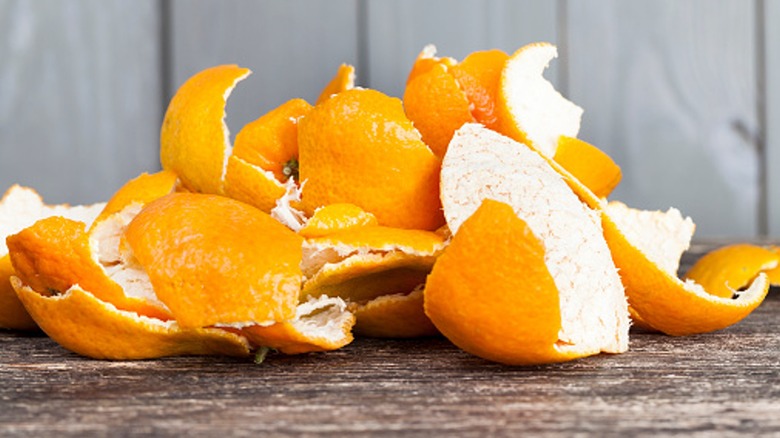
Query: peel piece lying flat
[[20, 207], [482, 164]]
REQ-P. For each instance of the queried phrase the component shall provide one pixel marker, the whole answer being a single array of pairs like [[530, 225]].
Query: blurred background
[[683, 94]]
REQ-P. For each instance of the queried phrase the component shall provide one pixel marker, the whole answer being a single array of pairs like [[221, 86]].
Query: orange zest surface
[[358, 147], [216, 260], [336, 217], [591, 166], [91, 327], [194, 139], [394, 316], [726, 270], [343, 80], [478, 75], [506, 316]]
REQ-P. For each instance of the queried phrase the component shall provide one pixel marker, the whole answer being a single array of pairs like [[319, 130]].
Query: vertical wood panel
[[292, 47], [398, 30], [669, 90], [79, 95], [772, 96]]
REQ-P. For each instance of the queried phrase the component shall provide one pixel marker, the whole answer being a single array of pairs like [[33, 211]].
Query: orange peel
[[530, 110], [394, 316], [343, 80], [657, 297], [336, 217], [588, 164], [359, 147], [81, 323], [511, 315], [194, 139], [21, 207], [730, 268], [265, 156], [482, 164]]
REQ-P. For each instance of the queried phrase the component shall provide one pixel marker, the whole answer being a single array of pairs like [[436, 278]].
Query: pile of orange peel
[[469, 209]]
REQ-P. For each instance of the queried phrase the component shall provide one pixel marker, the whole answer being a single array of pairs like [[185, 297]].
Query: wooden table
[[715, 384]]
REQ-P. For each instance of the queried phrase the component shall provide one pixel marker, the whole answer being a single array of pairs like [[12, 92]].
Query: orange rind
[[336, 217], [265, 156], [481, 164], [358, 147], [728, 269], [530, 110], [510, 315], [21, 207], [214, 260], [343, 80], [479, 75], [376, 269], [394, 316], [588, 164], [194, 139], [86, 325], [657, 297], [436, 104]]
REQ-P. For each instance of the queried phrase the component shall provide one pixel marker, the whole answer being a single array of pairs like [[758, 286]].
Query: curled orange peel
[[342, 81], [194, 139], [725, 271]]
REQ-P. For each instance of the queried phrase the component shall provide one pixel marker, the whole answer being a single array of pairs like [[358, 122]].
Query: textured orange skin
[[358, 147], [192, 139], [438, 107], [250, 184], [660, 300], [774, 274], [491, 293], [336, 217], [590, 165], [272, 140], [142, 189], [394, 316], [88, 326], [342, 81], [12, 313], [283, 336], [54, 254], [214, 260], [731, 268], [478, 76]]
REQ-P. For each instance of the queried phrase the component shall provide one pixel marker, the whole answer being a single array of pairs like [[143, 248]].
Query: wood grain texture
[[292, 47], [719, 384], [397, 31], [80, 90], [669, 90], [772, 105]]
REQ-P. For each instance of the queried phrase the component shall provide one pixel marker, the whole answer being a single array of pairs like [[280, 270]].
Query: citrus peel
[[359, 147], [342, 81], [21, 207], [482, 164], [194, 139]]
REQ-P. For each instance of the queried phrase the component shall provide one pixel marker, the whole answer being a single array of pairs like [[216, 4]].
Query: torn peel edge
[[81, 323]]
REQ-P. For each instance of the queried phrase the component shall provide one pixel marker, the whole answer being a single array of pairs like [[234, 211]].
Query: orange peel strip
[[731, 268], [343, 80], [320, 324], [81, 323], [194, 139], [590, 165], [394, 316], [336, 217]]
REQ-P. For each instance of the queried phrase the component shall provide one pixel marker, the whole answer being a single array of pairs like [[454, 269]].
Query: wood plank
[[79, 96], [772, 101], [292, 47], [397, 31], [723, 383], [669, 90]]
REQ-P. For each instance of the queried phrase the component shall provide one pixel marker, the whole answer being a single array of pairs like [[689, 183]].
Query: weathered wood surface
[[718, 384]]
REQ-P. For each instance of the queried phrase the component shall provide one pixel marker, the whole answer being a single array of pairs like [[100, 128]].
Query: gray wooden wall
[[684, 94]]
